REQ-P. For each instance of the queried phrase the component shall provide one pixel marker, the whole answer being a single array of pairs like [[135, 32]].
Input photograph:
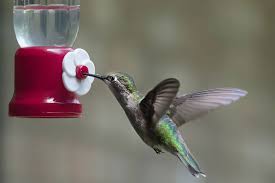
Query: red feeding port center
[[45, 34]]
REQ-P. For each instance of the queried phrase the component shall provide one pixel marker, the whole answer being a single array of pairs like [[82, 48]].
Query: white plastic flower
[[74, 64]]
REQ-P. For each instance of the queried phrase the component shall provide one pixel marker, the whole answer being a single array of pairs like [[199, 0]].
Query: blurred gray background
[[203, 43]]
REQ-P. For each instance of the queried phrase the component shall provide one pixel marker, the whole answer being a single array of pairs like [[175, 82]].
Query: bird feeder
[[49, 73]]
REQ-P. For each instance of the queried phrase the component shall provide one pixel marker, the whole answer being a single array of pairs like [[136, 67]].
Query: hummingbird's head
[[119, 83]]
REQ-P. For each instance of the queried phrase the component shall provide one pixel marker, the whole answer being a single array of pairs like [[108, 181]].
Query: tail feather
[[191, 165], [196, 173]]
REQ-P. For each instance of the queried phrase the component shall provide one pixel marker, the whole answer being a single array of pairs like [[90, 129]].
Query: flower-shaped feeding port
[[75, 65]]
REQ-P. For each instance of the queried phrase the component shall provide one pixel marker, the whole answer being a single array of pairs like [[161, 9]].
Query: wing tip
[[238, 91], [243, 92], [239, 94]]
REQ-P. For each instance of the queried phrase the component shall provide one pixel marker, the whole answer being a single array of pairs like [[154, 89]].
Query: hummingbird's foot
[[157, 150]]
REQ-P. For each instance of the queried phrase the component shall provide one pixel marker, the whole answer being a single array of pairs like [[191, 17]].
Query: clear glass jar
[[46, 22]]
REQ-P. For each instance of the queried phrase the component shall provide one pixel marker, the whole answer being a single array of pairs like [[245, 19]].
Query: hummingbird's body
[[163, 136], [157, 115]]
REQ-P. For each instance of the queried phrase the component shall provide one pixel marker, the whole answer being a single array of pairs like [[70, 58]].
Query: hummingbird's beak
[[95, 76]]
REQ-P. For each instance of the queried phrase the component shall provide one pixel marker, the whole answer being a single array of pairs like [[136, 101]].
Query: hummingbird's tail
[[191, 164]]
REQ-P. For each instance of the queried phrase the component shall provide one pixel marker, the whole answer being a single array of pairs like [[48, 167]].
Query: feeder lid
[[75, 63]]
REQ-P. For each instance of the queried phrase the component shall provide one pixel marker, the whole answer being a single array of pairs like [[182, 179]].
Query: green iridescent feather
[[166, 130]]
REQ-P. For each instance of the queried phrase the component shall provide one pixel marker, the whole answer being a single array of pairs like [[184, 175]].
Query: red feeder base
[[38, 89]]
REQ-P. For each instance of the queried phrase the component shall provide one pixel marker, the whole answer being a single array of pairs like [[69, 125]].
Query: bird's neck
[[136, 96], [129, 100]]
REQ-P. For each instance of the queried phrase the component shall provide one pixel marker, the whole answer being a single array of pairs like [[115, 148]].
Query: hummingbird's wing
[[157, 101], [191, 106]]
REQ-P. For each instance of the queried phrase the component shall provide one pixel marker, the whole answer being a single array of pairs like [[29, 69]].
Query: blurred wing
[[156, 103], [191, 106]]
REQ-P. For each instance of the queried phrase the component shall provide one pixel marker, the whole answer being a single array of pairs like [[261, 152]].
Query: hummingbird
[[157, 115]]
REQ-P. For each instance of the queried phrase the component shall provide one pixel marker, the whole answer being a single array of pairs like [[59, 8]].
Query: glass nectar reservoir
[[46, 23]]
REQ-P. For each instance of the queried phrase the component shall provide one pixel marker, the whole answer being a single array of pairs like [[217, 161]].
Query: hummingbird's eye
[[111, 78]]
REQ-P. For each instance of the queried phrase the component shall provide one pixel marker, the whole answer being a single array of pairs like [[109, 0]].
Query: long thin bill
[[95, 76]]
